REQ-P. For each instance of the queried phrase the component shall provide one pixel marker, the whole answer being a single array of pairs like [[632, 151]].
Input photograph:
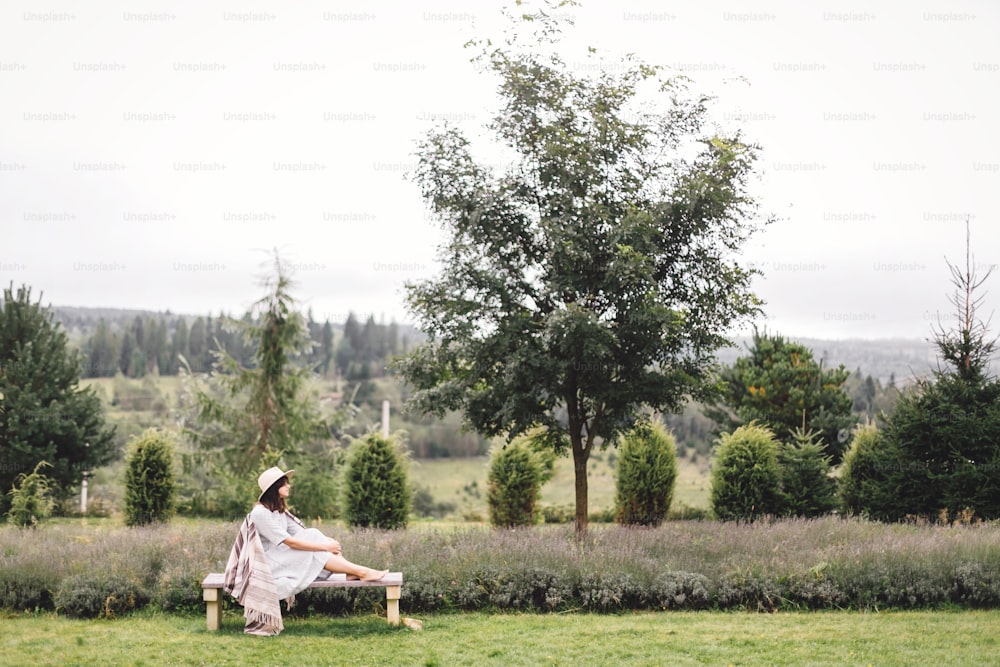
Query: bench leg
[[392, 594], [213, 608]]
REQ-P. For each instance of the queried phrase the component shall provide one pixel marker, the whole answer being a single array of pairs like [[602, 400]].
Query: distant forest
[[137, 343], [140, 343]]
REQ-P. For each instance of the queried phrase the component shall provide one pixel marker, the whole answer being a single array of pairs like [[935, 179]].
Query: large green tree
[[596, 273], [780, 384], [45, 415]]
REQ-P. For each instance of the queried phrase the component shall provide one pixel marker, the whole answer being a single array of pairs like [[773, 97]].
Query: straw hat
[[269, 477]]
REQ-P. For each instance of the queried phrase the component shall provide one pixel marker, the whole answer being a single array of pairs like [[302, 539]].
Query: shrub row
[[805, 564]]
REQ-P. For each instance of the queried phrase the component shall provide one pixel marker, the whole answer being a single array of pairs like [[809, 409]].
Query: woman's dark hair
[[270, 498]]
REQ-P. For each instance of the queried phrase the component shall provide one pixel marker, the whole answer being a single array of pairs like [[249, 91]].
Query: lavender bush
[[788, 564]]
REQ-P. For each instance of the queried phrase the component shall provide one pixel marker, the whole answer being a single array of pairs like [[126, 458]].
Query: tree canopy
[[595, 275]]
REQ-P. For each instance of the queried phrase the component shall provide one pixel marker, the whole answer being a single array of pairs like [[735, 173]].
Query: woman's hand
[[333, 547]]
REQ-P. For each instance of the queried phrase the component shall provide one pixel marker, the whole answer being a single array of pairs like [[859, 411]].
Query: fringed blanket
[[248, 579]]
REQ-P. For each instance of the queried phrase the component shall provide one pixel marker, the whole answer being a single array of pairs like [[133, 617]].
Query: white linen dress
[[292, 569]]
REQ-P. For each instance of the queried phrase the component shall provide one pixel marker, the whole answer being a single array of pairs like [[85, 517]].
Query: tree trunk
[[581, 452], [580, 456]]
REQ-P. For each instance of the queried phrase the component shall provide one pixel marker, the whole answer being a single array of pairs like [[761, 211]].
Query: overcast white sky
[[150, 151]]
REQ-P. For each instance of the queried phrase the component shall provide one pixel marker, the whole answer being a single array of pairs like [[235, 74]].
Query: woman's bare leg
[[339, 564]]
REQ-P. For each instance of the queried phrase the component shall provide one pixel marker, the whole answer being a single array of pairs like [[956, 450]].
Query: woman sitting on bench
[[297, 555], [275, 556]]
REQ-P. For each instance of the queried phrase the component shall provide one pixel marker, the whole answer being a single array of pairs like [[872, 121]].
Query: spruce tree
[[243, 411], [31, 499], [808, 490], [45, 415], [947, 429]]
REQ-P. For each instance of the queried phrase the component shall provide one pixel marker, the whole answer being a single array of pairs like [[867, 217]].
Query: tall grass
[[789, 564]]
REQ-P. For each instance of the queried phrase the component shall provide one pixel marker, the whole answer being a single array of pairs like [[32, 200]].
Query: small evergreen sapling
[[808, 490]]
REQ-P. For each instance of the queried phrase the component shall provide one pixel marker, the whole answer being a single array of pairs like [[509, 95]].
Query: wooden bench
[[393, 582]]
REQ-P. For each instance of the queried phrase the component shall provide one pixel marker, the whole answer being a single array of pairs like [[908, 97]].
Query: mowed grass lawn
[[666, 638]]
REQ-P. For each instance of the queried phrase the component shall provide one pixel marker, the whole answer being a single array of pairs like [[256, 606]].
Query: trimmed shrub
[[31, 499], [513, 484], [808, 490], [513, 588], [558, 514], [317, 476], [376, 489], [647, 472], [864, 473], [149, 479], [179, 588], [746, 477], [611, 591]]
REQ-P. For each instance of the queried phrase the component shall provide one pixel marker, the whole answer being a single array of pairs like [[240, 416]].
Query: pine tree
[[780, 384], [178, 346], [326, 348], [102, 353], [198, 346], [125, 354]]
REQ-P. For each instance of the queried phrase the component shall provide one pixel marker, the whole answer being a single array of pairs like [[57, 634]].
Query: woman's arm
[[333, 546]]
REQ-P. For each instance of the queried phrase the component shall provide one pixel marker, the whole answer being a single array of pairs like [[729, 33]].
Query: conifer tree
[[646, 474], [149, 479], [243, 412], [46, 415], [945, 431], [376, 488]]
